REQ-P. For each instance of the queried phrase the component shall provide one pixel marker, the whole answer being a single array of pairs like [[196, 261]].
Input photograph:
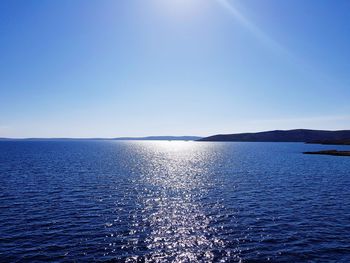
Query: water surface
[[172, 201]]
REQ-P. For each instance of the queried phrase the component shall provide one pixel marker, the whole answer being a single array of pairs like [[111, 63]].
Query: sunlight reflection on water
[[174, 181]]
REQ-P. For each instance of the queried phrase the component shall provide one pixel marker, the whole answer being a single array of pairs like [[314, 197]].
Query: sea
[[172, 201]]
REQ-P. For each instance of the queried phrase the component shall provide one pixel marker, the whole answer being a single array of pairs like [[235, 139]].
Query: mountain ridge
[[146, 138], [295, 135]]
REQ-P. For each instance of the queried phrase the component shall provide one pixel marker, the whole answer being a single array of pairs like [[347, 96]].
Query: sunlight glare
[[179, 8]]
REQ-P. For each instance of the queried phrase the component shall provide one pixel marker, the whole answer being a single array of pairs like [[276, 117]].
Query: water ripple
[[172, 201]]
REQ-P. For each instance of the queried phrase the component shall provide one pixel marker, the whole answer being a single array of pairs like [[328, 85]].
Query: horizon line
[[156, 136]]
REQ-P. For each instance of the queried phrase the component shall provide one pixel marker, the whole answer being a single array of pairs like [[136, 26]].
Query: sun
[[180, 8], [182, 3]]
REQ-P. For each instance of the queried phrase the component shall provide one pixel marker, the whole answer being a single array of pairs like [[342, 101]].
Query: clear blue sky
[[88, 68]]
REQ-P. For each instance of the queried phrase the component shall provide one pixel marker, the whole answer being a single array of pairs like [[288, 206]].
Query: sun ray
[[254, 29]]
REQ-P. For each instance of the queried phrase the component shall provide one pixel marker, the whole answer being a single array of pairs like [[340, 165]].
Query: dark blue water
[[172, 201]]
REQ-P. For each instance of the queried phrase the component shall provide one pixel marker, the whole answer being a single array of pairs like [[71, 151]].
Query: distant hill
[[299, 135], [149, 138], [159, 138], [53, 139]]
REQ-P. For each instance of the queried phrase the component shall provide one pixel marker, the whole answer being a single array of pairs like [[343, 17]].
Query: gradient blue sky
[[88, 68]]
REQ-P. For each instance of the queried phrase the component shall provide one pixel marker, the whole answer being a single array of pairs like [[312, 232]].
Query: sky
[[88, 68]]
